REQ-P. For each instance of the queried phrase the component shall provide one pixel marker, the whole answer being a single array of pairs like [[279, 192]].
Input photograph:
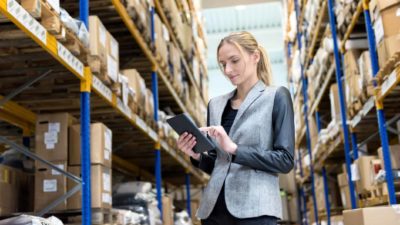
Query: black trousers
[[221, 216]]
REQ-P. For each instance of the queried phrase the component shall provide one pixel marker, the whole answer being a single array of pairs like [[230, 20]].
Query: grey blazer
[[263, 129]]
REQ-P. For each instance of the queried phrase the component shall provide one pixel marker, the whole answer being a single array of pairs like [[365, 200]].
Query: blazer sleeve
[[206, 161], [280, 159]]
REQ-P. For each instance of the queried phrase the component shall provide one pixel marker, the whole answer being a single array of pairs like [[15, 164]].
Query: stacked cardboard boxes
[[161, 35], [51, 144], [353, 83], [384, 14], [344, 190], [104, 55], [100, 159], [137, 85]]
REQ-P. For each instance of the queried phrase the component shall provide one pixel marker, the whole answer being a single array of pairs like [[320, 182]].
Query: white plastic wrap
[[83, 33], [133, 187], [31, 220], [68, 21], [182, 218]]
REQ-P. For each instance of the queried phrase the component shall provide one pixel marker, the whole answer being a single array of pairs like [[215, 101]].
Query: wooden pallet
[[390, 65]]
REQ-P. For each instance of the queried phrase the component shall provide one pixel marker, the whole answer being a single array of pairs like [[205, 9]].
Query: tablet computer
[[182, 123]]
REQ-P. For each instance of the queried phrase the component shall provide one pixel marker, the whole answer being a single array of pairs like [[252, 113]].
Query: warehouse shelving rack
[[103, 106], [385, 94]]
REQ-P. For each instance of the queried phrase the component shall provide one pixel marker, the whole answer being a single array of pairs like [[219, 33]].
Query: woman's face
[[236, 66]]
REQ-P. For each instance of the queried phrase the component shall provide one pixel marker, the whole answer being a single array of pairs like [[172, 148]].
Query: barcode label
[[368, 106], [389, 82], [123, 108], [153, 135], [356, 120], [141, 123], [102, 89], [70, 59], [30, 23]]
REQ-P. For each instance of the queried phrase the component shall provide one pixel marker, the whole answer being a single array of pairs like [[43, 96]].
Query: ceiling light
[[240, 7]]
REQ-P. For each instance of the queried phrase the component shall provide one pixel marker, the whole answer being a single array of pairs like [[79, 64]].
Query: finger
[[204, 129], [181, 137], [187, 145], [187, 137]]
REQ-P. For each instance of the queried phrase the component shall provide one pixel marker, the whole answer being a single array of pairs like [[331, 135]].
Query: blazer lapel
[[220, 106], [253, 95]]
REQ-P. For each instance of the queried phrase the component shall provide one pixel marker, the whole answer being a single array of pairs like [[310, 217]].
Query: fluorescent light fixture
[[240, 7]]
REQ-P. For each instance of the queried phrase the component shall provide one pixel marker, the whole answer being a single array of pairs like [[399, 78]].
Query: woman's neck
[[244, 88]]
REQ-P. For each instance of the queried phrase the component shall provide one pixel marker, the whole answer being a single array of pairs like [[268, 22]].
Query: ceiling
[[264, 21]]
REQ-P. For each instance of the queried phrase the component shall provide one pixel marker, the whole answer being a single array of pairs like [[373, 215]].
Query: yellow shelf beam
[[351, 26]]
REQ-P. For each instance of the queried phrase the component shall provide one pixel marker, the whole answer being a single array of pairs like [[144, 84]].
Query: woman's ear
[[256, 56]]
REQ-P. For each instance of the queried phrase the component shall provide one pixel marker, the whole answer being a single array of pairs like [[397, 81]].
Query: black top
[[228, 117], [283, 145]]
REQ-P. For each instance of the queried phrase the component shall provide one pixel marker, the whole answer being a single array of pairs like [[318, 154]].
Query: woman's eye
[[235, 61]]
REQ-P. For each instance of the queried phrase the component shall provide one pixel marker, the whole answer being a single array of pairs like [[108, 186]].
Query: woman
[[253, 127]]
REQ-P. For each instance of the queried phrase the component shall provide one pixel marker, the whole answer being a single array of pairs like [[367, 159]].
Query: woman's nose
[[228, 69]]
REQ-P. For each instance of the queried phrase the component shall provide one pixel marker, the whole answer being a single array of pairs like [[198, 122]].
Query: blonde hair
[[245, 40]]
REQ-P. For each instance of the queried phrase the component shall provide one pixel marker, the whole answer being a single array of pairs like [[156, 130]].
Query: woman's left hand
[[224, 141]]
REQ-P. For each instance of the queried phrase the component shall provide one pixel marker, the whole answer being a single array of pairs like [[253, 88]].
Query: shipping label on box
[[55, 172], [112, 69], [50, 185]]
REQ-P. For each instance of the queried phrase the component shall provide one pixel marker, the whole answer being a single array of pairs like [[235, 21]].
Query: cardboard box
[[376, 6], [33, 7], [394, 156], [387, 215], [344, 190], [8, 190], [100, 187], [112, 53], [337, 220], [364, 178], [287, 182], [100, 145], [112, 47], [350, 62], [387, 23], [98, 38], [293, 209], [50, 185], [161, 38], [387, 48], [168, 210], [137, 83], [52, 136], [285, 206], [364, 63]]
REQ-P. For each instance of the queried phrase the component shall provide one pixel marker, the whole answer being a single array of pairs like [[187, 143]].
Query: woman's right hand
[[186, 142]]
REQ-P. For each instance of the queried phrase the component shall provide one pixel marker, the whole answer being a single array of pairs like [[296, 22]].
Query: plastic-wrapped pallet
[[31, 220]]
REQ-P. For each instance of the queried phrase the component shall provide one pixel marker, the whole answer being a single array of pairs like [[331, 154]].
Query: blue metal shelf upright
[[379, 105]]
